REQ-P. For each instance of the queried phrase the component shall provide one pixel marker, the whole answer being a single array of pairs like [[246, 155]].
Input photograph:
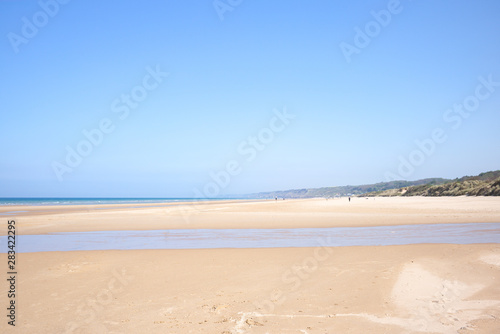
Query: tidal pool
[[469, 233]]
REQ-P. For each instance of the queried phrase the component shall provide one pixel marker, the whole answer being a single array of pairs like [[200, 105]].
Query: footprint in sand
[[434, 304]]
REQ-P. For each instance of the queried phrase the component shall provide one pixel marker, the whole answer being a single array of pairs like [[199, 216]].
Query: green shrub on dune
[[484, 184]]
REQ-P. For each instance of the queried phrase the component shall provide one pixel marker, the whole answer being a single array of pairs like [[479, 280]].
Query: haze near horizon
[[204, 99]]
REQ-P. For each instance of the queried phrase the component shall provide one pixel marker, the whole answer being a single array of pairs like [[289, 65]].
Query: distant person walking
[[349, 198]]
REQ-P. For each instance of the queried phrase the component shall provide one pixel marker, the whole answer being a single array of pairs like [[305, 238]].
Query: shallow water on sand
[[469, 233]]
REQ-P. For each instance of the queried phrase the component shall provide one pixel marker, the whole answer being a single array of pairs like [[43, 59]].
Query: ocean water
[[92, 201], [471, 233]]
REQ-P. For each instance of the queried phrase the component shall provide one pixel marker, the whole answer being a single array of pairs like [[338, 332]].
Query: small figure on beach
[[349, 198]]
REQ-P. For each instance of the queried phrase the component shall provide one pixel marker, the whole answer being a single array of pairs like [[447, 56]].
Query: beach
[[288, 213], [416, 288]]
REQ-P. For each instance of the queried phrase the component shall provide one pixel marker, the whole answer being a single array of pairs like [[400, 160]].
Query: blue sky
[[354, 118]]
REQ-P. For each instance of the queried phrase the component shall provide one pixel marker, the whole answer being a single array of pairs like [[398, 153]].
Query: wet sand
[[469, 233], [426, 288]]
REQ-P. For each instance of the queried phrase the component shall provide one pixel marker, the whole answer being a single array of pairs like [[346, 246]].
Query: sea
[[41, 201]]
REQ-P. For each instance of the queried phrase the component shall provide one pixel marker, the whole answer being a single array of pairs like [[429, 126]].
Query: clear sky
[[186, 98]]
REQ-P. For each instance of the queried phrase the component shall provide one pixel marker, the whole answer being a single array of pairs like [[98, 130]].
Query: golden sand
[[439, 288]]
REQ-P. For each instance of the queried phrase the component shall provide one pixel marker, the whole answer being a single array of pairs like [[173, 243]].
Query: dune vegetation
[[484, 184]]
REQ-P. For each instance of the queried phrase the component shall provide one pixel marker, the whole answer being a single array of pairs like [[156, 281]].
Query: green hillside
[[345, 190], [484, 184]]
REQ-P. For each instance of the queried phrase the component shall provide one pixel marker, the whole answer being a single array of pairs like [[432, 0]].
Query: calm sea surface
[[93, 201], [259, 238]]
